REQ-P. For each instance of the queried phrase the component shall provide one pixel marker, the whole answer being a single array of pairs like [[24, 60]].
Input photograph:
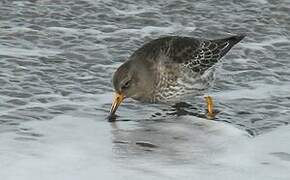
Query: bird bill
[[118, 98]]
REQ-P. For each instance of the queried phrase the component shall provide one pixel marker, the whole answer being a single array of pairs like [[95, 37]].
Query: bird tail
[[226, 44], [235, 39]]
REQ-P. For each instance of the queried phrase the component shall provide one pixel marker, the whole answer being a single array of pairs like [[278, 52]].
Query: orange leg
[[210, 111]]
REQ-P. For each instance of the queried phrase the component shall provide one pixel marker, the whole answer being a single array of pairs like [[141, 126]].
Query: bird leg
[[209, 102]]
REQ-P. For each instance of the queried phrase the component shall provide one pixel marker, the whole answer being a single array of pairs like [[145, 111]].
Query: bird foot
[[210, 111]]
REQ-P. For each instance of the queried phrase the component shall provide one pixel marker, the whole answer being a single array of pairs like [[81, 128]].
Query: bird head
[[130, 80]]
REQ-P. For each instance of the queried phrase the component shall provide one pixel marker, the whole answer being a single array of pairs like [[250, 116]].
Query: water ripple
[[58, 57]]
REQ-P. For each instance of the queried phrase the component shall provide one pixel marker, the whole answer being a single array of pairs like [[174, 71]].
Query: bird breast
[[173, 84]]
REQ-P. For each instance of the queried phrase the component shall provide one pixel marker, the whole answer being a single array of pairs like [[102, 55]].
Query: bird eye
[[126, 85]]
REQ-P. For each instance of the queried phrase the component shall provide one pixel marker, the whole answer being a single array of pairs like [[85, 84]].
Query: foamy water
[[57, 59], [68, 147]]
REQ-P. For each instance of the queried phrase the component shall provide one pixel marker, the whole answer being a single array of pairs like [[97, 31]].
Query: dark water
[[57, 58], [56, 55]]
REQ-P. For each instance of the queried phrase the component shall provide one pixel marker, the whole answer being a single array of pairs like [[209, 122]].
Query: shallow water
[[57, 59]]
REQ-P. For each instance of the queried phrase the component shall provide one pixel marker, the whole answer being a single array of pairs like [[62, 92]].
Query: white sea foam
[[20, 52], [261, 45], [81, 148], [258, 91]]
